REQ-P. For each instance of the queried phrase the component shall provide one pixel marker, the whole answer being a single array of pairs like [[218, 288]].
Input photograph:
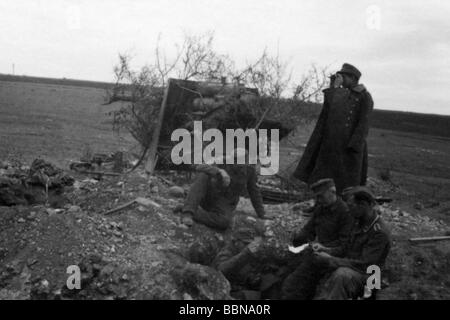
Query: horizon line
[[112, 83]]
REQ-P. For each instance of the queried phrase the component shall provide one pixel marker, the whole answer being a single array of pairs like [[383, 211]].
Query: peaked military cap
[[350, 69], [322, 186], [349, 191], [364, 194]]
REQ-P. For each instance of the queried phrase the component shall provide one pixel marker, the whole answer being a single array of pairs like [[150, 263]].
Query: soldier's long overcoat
[[337, 148]]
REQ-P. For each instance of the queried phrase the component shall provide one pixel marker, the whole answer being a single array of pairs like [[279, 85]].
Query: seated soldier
[[215, 193], [239, 259], [328, 230], [369, 244]]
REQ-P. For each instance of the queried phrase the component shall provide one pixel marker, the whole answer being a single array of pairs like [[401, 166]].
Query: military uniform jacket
[[330, 226], [242, 177], [367, 246]]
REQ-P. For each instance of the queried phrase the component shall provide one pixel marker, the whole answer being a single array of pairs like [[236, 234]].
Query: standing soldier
[[337, 148]]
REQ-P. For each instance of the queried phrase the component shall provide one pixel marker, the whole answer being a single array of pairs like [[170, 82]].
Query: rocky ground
[[145, 252]]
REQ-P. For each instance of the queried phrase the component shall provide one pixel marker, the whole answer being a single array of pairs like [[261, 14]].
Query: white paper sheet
[[298, 249]]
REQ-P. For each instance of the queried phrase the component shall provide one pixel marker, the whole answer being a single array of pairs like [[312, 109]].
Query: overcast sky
[[402, 47]]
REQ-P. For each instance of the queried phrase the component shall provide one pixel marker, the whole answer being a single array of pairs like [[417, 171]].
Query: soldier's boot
[[187, 220]]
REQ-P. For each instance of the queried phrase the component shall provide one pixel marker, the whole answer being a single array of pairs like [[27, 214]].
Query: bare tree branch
[[196, 59]]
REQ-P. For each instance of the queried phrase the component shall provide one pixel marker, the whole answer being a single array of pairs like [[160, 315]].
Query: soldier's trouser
[[216, 220], [301, 284], [220, 218], [343, 284]]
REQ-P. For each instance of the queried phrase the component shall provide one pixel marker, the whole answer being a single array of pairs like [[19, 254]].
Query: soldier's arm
[[338, 248], [320, 124], [228, 264], [196, 193], [362, 128], [306, 234], [214, 172], [372, 254], [255, 193], [208, 169]]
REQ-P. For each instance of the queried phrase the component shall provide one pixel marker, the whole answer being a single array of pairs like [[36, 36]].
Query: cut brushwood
[[142, 201], [147, 202], [274, 195], [168, 182]]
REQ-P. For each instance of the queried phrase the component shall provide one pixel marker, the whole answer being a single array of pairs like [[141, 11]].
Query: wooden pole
[[263, 116], [151, 160], [122, 207], [430, 239], [100, 173]]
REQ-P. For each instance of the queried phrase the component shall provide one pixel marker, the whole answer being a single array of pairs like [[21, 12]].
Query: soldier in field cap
[[337, 148], [327, 231], [369, 245], [348, 193], [213, 197], [322, 186]]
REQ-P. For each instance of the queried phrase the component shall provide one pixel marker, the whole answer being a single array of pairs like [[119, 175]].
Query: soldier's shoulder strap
[[380, 227], [364, 94], [360, 88], [375, 225]]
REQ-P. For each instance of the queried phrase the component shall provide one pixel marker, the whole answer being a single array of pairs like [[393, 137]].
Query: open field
[[428, 124], [54, 122], [53, 81]]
